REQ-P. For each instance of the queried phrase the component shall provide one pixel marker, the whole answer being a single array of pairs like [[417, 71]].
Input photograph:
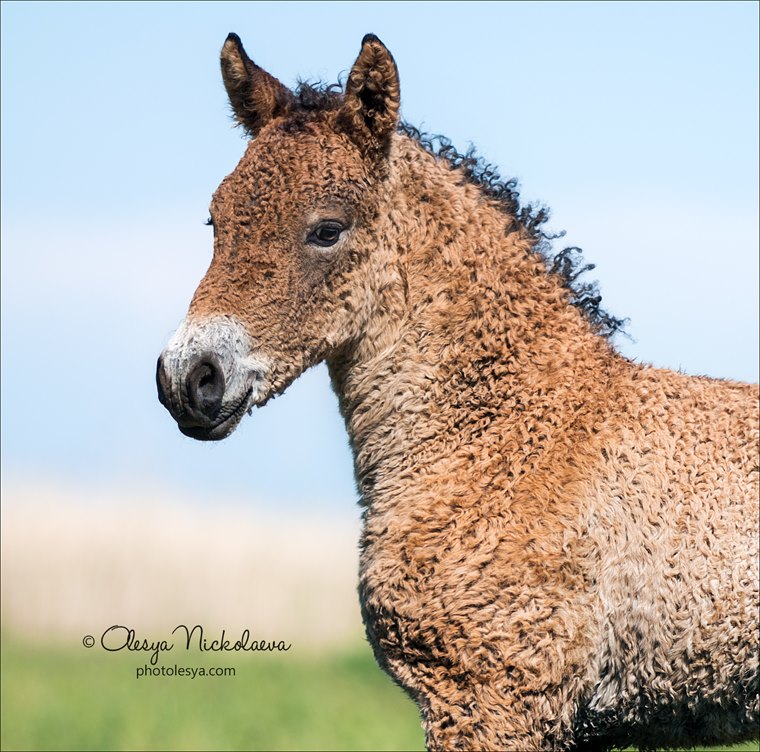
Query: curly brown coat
[[560, 547]]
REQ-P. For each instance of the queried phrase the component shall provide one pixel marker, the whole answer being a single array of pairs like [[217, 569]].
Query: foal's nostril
[[205, 386]]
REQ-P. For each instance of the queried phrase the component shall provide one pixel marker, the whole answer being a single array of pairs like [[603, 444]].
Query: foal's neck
[[467, 321]]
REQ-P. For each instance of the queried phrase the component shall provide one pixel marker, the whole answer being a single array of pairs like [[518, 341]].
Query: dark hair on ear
[[319, 97]]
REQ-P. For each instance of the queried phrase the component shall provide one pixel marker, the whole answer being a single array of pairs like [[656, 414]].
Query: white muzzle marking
[[225, 337]]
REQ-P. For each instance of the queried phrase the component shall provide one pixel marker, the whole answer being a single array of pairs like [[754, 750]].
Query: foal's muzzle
[[208, 376]]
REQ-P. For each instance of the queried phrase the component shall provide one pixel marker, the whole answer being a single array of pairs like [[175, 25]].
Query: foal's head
[[295, 225]]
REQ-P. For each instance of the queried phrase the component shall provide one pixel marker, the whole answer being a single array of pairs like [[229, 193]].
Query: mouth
[[224, 426]]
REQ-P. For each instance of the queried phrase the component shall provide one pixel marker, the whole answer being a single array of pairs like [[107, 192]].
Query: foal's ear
[[255, 96], [369, 112]]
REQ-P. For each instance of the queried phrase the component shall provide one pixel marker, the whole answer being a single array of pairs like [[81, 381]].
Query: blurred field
[[75, 561]]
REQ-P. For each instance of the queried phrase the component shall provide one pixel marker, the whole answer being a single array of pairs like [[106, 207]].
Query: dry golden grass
[[76, 562]]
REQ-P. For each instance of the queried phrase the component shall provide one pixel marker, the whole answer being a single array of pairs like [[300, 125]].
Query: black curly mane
[[568, 264]]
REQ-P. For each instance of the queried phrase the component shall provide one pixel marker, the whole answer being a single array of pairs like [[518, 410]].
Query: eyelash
[[209, 222]]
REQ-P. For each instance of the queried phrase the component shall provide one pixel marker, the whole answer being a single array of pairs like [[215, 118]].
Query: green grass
[[56, 698], [78, 699]]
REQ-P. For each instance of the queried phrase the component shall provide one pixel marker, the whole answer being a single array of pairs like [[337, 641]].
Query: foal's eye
[[326, 234]]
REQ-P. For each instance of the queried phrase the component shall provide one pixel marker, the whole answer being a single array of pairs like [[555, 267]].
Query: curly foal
[[560, 547]]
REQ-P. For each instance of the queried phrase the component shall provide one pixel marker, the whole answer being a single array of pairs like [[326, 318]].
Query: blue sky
[[636, 122]]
